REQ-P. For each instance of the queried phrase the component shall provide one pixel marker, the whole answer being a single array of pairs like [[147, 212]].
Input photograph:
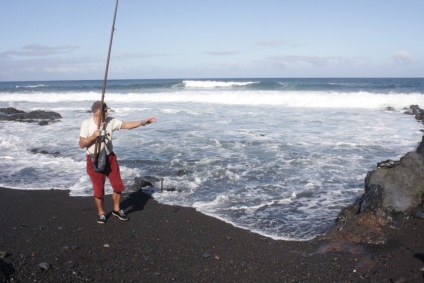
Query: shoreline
[[50, 236]]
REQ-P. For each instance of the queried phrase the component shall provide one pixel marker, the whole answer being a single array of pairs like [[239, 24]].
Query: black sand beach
[[48, 236]]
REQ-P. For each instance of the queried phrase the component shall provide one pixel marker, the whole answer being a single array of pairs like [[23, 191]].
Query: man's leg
[[117, 185], [100, 205], [98, 180], [100, 202], [98, 187], [116, 201], [116, 207]]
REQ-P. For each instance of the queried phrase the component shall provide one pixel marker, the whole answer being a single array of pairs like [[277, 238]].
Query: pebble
[[72, 264], [44, 266], [74, 247], [3, 254], [206, 255]]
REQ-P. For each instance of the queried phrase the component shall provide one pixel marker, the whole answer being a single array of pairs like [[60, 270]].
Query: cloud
[[295, 61], [42, 68], [222, 53], [35, 50], [131, 56], [271, 43], [404, 58]]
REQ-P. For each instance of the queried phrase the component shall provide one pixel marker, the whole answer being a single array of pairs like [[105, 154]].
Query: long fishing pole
[[102, 116]]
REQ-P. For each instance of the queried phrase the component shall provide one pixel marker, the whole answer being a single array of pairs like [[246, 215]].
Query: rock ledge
[[393, 192]]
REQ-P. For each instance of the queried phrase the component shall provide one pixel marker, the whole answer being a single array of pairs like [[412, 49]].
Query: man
[[88, 137]]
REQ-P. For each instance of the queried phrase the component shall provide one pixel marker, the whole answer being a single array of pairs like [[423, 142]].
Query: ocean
[[278, 157]]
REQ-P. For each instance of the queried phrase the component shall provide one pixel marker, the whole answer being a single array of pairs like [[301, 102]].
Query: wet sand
[[48, 236]]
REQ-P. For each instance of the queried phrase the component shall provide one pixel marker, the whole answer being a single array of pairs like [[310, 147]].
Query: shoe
[[101, 219], [120, 214]]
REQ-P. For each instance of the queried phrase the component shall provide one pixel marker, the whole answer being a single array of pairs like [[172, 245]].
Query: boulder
[[365, 228], [397, 189], [416, 111], [42, 151], [391, 193], [145, 181]]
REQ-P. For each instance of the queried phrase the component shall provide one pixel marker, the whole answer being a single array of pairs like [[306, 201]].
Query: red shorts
[[99, 178]]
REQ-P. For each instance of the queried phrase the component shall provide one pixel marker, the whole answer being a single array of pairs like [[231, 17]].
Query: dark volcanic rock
[[182, 172], [11, 111], [397, 189], [389, 193], [142, 182], [392, 192], [417, 112], [42, 151], [420, 148], [38, 116], [419, 115]]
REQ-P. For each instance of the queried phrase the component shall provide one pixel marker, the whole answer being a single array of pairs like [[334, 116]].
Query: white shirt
[[88, 127]]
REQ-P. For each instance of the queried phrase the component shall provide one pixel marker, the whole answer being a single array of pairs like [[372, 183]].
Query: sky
[[69, 40]]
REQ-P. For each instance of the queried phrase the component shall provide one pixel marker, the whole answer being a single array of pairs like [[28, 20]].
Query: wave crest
[[214, 84]]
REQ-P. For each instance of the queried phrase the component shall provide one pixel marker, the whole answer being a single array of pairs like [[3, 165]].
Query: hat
[[97, 106]]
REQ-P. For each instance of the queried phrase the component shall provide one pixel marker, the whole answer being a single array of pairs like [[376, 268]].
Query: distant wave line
[[31, 86], [214, 84]]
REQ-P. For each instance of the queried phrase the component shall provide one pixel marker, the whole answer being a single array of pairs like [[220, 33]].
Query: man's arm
[[136, 124], [87, 142]]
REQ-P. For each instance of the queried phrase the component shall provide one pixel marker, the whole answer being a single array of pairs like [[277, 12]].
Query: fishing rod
[[102, 115]]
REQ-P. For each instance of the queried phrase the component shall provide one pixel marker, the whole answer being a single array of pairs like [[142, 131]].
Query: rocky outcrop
[[390, 194], [146, 181], [397, 189], [416, 111], [38, 116], [152, 182], [42, 151], [393, 191]]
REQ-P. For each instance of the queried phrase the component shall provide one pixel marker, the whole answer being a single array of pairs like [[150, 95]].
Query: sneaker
[[120, 214], [101, 219]]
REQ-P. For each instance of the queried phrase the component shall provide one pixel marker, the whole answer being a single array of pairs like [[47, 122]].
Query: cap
[[97, 106]]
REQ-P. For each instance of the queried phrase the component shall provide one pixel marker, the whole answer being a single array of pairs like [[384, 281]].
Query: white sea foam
[[360, 100]]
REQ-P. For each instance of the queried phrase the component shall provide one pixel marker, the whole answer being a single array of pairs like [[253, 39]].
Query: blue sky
[[69, 40]]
